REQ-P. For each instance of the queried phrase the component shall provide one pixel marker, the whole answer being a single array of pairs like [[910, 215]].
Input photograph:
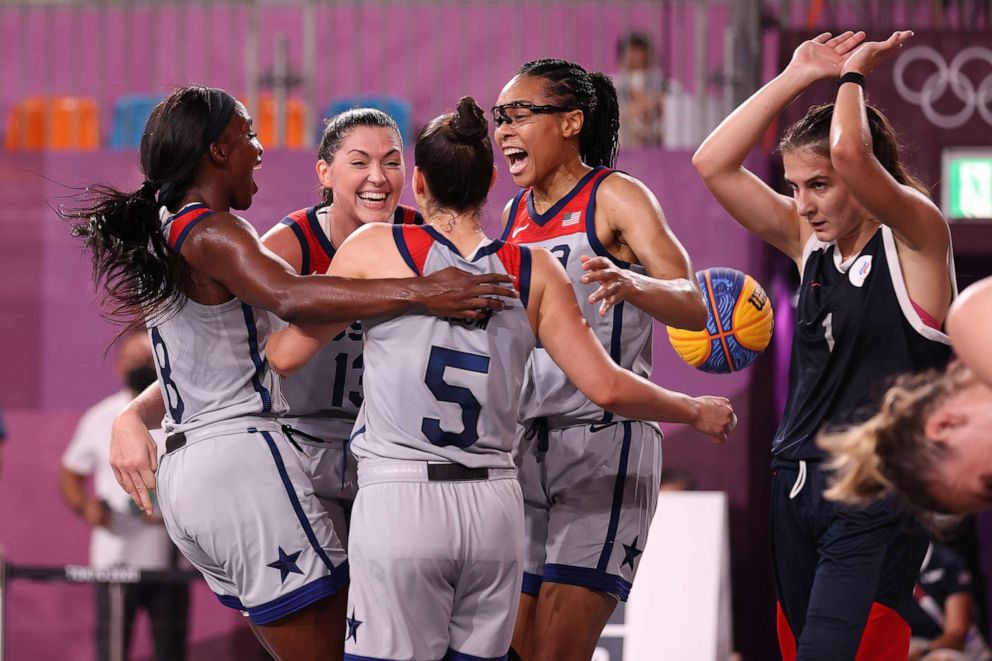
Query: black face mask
[[140, 378]]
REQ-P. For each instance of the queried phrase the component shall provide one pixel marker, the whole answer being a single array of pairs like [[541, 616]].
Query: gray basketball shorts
[[237, 502], [590, 492], [331, 467], [436, 563]]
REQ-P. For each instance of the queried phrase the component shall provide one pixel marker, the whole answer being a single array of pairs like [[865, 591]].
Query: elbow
[[283, 365], [603, 394], [847, 156], [704, 163]]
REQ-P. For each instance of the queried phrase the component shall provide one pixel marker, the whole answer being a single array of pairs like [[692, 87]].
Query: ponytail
[[140, 273]]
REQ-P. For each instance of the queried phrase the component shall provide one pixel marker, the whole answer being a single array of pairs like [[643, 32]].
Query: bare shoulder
[[281, 240], [620, 187]]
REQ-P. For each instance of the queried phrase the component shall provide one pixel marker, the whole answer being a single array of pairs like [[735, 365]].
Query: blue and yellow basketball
[[739, 326]]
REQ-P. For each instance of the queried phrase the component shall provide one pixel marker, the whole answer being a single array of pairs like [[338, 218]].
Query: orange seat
[[295, 123], [61, 122], [73, 124]]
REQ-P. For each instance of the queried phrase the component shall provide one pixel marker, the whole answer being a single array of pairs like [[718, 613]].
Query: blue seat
[[131, 112], [395, 107]]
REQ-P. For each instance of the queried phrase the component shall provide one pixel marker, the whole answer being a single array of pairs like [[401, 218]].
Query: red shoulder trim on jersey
[[516, 261], [407, 216], [183, 222], [414, 243]]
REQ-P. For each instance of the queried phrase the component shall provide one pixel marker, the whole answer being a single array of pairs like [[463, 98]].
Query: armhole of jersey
[[512, 217], [902, 294], [184, 223], [590, 220], [399, 236], [525, 271], [301, 237], [516, 259], [317, 235]]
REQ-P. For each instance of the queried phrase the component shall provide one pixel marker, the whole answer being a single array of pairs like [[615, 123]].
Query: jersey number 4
[[440, 360]]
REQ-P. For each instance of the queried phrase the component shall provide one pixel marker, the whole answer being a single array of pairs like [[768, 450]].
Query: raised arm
[[720, 159], [910, 213], [555, 316], [225, 248], [627, 209]]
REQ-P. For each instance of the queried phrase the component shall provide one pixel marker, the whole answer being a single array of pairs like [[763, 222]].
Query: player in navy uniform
[[930, 440], [590, 478], [434, 435], [873, 252], [233, 491], [361, 171]]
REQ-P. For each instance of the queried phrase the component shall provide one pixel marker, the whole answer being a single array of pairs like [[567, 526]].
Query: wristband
[[852, 77]]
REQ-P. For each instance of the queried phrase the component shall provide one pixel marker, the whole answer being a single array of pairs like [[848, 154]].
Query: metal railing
[[115, 577]]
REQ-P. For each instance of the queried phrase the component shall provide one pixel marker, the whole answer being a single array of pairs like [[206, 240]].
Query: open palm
[[824, 56], [872, 53]]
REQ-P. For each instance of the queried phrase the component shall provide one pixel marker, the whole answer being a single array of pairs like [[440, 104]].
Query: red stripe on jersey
[[407, 215], [886, 636], [319, 259], [509, 255], [418, 243], [183, 221], [786, 639], [569, 219]]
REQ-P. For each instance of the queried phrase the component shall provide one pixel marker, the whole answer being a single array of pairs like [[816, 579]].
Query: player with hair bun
[[589, 477], [233, 491], [873, 254], [433, 439]]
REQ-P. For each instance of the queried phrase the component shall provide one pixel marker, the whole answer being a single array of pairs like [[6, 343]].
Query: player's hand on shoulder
[[715, 417], [454, 293]]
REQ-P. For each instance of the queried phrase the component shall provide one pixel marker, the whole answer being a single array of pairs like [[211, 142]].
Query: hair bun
[[469, 124]]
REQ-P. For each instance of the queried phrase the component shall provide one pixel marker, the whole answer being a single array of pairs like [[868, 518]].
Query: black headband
[[220, 104]]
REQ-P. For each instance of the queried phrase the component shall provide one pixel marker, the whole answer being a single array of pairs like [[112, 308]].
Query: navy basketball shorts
[[590, 493], [844, 575], [238, 504]]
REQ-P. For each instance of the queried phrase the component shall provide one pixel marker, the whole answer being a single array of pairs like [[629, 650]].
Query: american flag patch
[[571, 218]]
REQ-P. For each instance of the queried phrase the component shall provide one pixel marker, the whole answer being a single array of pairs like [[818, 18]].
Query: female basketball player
[[873, 252], [590, 479], [930, 441], [361, 172], [441, 398], [198, 276]]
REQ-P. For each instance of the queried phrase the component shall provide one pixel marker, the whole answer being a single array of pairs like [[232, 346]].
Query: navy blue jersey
[[856, 327]]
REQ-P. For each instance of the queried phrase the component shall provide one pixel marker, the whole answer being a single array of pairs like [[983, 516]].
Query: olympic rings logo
[[947, 77]]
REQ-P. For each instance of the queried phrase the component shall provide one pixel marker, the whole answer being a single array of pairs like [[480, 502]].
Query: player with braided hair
[[590, 478]]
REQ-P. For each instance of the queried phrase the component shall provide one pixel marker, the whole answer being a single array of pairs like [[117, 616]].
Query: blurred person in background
[[641, 91], [3, 439], [942, 619], [121, 534]]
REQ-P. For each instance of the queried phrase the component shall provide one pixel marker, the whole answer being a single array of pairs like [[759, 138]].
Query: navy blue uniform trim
[[256, 358], [618, 489], [525, 271], [304, 244], [404, 250], [482, 252], [298, 599], [297, 507], [588, 578], [531, 584], [542, 219], [452, 655], [229, 601], [591, 235], [513, 214], [318, 231], [186, 230]]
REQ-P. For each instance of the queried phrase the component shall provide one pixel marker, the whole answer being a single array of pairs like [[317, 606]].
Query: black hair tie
[[148, 189]]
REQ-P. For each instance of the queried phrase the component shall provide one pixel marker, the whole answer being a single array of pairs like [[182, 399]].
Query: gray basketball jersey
[[446, 390], [211, 358], [568, 231]]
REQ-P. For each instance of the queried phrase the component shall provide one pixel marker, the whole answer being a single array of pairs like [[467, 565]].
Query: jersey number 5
[[440, 360]]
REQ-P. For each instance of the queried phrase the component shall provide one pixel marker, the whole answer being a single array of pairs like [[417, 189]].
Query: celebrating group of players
[[494, 392]]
